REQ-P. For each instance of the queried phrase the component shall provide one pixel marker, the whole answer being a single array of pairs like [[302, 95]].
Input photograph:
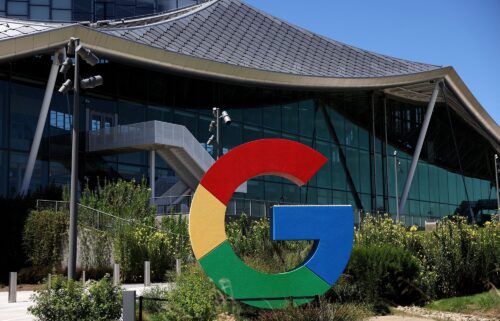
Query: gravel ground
[[440, 315]]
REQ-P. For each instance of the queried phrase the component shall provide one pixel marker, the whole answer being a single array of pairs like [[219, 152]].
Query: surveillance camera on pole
[[66, 66], [215, 126], [91, 82], [87, 55], [75, 48], [67, 86]]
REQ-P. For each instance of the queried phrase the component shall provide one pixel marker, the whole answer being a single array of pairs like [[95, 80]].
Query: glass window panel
[[324, 196], [423, 180], [253, 116], [255, 189], [353, 166], [339, 198], [82, 5], [306, 116], [485, 189], [338, 124], [433, 184], [130, 172], [414, 190], [185, 3], [61, 15], [363, 138], [309, 195], [188, 119], [273, 191], [42, 2], [379, 165], [3, 174], [165, 5], [364, 172], [290, 118], [232, 136], [130, 113], [251, 133], [271, 117], [291, 194], [324, 175], [160, 113], [17, 8], [124, 11], [271, 134], [25, 108], [351, 134], [320, 126], [477, 189], [61, 4], [338, 174], [59, 173], [17, 168], [452, 186], [4, 112], [443, 186]]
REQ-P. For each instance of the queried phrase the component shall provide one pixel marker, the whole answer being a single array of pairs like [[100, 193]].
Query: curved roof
[[231, 32], [231, 41]]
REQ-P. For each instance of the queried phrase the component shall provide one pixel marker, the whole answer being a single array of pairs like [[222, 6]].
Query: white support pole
[[116, 274], [13, 287], [420, 144], [147, 273], [42, 118], [152, 175]]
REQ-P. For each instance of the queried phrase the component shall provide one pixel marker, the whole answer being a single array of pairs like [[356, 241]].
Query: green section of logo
[[241, 282]]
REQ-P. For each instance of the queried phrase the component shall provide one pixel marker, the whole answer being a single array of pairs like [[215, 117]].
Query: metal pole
[[13, 287], [116, 274], [147, 273], [128, 301], [496, 181], [42, 118], [152, 175], [420, 144], [217, 131], [396, 183], [49, 281], [73, 208], [178, 266]]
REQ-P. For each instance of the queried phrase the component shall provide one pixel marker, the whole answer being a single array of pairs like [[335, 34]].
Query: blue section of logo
[[332, 227]]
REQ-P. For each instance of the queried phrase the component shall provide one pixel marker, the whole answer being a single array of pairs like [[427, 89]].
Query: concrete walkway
[[19, 311]]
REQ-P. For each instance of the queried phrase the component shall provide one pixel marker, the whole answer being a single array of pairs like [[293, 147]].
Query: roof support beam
[[342, 158], [42, 118], [418, 148]]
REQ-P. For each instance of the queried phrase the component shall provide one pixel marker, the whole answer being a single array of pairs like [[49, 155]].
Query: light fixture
[[87, 55], [225, 117], [67, 86], [65, 66], [91, 82]]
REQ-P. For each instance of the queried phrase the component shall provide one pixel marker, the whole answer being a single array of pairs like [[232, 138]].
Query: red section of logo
[[262, 157]]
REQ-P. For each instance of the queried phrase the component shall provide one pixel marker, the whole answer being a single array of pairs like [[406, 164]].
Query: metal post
[[116, 274], [396, 184], [42, 118], [128, 305], [178, 266], [73, 207], [496, 181], [49, 281], [420, 144], [147, 273], [83, 277], [13, 287], [152, 175], [217, 131]]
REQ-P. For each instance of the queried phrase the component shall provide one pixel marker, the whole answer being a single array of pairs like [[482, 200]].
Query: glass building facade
[[369, 126], [87, 10]]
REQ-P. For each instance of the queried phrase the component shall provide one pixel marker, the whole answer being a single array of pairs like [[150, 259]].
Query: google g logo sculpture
[[331, 227]]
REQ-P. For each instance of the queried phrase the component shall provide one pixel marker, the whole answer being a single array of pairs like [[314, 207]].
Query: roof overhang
[[140, 54]]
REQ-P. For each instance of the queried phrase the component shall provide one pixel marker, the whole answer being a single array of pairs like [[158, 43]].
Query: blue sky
[[462, 33]]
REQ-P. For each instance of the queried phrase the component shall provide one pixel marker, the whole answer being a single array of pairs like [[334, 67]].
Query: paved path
[[19, 311]]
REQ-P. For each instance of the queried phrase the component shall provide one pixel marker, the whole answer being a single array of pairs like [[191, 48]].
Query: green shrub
[[44, 235], [154, 306], [465, 259], [72, 301], [386, 273], [194, 298]]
